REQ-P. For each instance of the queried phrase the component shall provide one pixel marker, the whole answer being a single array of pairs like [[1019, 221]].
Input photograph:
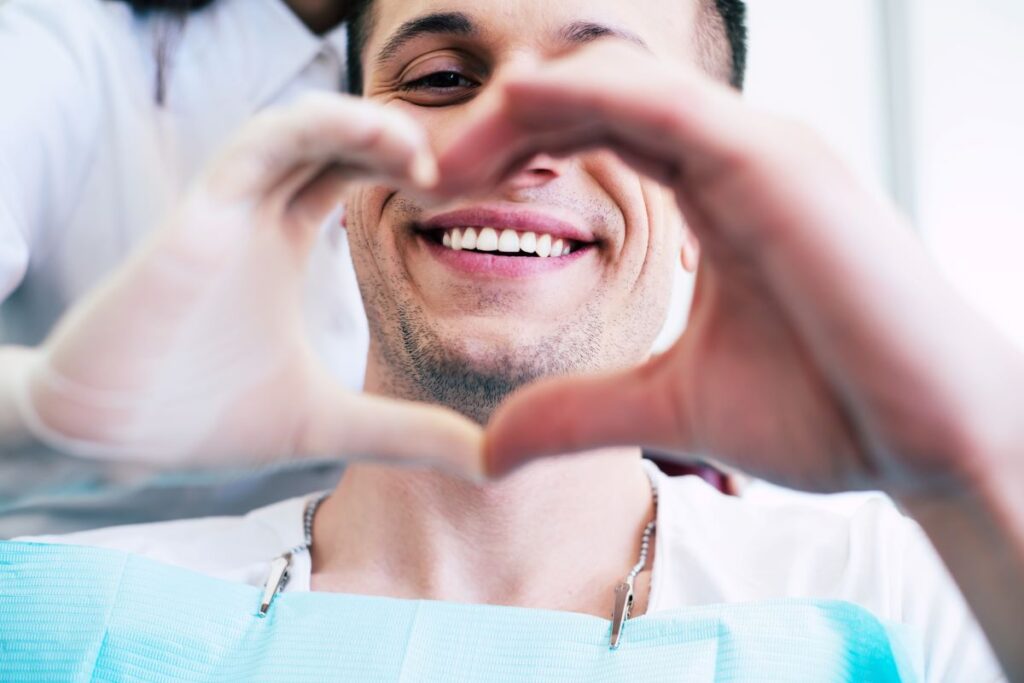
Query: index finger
[[660, 116], [323, 130]]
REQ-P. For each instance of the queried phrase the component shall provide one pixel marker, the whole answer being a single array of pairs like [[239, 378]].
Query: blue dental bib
[[71, 613]]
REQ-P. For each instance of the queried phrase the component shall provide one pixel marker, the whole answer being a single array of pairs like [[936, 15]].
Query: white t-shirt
[[90, 163], [709, 548]]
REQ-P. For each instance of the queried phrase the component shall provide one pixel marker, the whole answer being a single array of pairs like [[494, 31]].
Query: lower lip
[[496, 264]]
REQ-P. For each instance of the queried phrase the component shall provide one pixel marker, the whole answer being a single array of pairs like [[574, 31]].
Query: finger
[[565, 415], [363, 426], [623, 98], [322, 130]]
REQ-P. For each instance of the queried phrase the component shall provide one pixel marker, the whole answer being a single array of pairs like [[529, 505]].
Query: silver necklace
[[623, 594]]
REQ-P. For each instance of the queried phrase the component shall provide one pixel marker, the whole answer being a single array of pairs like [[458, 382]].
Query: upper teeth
[[506, 242]]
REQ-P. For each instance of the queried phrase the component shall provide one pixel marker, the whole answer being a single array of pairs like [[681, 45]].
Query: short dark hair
[[724, 30], [733, 14]]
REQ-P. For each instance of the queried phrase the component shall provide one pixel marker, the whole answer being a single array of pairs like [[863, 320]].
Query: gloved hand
[[194, 351], [823, 349]]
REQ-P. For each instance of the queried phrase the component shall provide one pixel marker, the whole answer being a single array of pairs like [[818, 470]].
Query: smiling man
[[564, 267]]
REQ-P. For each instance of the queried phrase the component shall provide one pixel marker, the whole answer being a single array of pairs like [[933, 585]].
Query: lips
[[504, 242]]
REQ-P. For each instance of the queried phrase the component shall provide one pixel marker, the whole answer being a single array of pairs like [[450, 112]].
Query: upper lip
[[500, 218]]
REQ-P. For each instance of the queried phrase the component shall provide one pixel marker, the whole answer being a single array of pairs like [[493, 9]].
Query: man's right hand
[[194, 353]]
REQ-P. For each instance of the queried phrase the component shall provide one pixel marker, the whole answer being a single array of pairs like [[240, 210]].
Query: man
[[559, 265]]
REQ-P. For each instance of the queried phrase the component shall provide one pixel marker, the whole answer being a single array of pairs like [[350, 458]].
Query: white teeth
[[508, 243], [544, 246], [487, 240], [528, 242]]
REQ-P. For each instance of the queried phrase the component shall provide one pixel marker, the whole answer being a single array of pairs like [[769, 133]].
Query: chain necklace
[[623, 593]]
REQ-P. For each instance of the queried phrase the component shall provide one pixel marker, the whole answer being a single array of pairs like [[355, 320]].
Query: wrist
[[978, 531]]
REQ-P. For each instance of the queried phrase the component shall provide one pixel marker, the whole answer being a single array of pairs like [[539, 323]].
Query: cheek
[[650, 243], [655, 239], [364, 206]]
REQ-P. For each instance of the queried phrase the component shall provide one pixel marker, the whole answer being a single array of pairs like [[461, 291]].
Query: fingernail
[[424, 170]]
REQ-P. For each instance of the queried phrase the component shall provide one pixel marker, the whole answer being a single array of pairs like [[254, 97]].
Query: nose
[[541, 170]]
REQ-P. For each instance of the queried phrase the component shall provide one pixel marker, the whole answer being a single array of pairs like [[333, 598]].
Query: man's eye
[[440, 80]]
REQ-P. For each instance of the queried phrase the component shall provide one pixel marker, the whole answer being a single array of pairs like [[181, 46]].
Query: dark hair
[[731, 20], [734, 18]]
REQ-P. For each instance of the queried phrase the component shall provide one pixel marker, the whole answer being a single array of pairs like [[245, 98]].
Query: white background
[[924, 98]]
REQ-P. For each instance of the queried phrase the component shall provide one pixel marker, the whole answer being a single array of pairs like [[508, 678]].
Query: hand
[[823, 350], [193, 352]]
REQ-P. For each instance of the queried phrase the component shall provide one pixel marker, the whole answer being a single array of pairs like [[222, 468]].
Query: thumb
[[366, 427], [636, 407]]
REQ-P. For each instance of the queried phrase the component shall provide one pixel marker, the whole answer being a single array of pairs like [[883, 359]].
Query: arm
[[979, 534], [823, 350]]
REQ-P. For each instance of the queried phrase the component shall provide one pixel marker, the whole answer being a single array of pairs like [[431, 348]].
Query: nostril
[[540, 171]]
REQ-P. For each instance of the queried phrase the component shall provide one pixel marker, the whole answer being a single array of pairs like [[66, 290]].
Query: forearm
[[980, 536], [14, 363]]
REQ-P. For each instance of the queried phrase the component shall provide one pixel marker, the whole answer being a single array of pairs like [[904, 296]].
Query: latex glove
[[823, 350], [194, 351]]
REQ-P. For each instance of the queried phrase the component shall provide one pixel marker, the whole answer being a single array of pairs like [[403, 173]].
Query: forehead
[[665, 27]]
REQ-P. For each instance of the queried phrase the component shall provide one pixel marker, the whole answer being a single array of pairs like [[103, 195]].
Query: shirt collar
[[253, 48], [290, 43]]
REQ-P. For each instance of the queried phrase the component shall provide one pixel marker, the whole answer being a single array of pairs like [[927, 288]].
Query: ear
[[690, 250]]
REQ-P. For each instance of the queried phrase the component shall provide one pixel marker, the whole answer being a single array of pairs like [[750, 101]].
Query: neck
[[558, 534], [320, 16]]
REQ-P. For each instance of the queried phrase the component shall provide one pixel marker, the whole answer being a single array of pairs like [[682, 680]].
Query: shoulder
[[74, 26], [774, 543], [781, 516], [76, 53], [771, 543], [220, 546], [66, 62]]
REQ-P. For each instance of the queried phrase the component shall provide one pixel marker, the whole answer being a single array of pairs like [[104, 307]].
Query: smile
[[506, 241]]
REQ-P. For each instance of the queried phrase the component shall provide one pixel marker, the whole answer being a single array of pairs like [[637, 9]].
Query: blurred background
[[925, 98]]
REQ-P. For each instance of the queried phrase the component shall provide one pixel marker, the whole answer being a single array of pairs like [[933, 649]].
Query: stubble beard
[[420, 364]]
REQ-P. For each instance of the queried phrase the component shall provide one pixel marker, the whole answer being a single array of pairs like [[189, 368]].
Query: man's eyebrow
[[580, 32], [455, 23]]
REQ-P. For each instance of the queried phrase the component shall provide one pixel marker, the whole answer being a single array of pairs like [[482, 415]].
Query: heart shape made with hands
[[194, 351]]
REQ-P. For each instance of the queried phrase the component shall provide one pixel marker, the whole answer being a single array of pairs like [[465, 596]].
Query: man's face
[[569, 263]]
